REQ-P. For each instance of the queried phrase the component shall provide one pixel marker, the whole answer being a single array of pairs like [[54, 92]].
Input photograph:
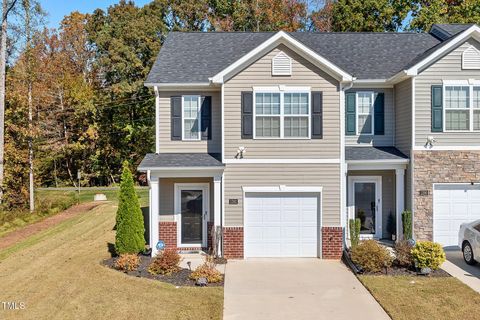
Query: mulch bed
[[180, 279], [401, 271]]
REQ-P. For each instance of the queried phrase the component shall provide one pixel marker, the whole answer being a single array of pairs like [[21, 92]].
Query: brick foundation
[[233, 242], [438, 167], [332, 242], [168, 234]]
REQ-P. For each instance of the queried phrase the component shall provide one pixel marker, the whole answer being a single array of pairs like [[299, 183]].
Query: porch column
[[400, 199], [154, 194], [217, 207]]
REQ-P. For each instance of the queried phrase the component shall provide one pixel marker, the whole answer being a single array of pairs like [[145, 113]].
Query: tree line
[[75, 99]]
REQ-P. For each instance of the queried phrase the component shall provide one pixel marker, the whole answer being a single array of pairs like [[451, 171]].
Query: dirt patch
[[181, 278], [399, 271], [23, 233]]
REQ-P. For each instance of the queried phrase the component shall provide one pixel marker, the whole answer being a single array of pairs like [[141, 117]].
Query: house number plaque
[[232, 201], [423, 193]]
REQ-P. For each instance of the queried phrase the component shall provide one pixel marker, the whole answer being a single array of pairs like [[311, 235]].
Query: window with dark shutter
[[379, 114], [206, 112], [350, 113], [437, 108], [247, 115], [176, 118], [317, 115]]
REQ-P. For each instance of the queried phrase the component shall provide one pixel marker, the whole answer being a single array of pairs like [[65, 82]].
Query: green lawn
[[51, 201], [411, 298], [58, 275]]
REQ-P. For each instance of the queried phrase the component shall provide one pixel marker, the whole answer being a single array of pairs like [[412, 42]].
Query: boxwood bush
[[427, 254], [371, 256]]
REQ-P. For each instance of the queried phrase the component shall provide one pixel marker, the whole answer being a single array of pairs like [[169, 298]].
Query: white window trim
[[199, 101], [282, 90], [459, 83], [372, 93]]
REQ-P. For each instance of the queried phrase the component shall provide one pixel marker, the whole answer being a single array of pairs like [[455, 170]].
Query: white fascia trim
[[399, 77], [157, 119], [376, 166], [276, 39], [283, 188], [461, 82], [391, 161], [178, 84], [281, 161], [372, 83], [472, 31], [447, 148]]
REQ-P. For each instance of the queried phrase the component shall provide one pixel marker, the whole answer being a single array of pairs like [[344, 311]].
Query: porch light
[[430, 141], [240, 152]]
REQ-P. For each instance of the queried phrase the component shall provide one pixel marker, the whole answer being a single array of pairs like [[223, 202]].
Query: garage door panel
[[285, 225], [454, 204]]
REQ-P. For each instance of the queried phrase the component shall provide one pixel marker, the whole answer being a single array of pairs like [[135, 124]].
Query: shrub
[[127, 262], [371, 256], [165, 263], [130, 228], [407, 224], [354, 225], [403, 253], [208, 271], [427, 254]]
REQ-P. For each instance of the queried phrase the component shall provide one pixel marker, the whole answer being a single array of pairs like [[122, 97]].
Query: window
[[477, 227], [282, 114], [462, 107], [476, 108], [191, 117], [365, 112]]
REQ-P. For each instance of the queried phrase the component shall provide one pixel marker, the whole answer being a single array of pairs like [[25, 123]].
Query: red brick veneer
[[233, 242], [168, 234], [332, 242]]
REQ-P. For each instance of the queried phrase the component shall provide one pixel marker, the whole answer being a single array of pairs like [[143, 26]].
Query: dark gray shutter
[[350, 113], [317, 115], [176, 118], [206, 125], [247, 115], [379, 114], [437, 108]]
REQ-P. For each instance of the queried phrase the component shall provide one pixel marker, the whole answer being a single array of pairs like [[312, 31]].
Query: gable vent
[[471, 58], [281, 65]]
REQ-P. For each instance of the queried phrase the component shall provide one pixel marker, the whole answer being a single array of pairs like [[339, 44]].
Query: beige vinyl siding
[[403, 116], [385, 140], [303, 74], [167, 196], [297, 175], [388, 193], [167, 145], [447, 68]]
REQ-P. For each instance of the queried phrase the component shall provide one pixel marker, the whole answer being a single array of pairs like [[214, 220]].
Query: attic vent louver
[[471, 59], [281, 65]]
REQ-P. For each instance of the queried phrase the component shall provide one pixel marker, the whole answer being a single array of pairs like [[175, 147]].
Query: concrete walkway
[[296, 289], [457, 267]]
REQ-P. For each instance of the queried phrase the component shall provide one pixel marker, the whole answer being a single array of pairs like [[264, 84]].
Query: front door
[[365, 202], [191, 214]]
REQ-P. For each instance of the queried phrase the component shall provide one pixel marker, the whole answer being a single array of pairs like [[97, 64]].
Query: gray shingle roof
[[373, 153], [452, 29], [193, 57], [179, 160]]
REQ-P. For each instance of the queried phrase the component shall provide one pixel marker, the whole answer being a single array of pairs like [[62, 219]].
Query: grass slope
[[411, 298], [58, 275]]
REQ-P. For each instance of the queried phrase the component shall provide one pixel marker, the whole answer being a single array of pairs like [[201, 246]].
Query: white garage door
[[453, 205], [281, 225]]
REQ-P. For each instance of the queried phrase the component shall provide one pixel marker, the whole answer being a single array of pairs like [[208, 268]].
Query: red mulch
[[23, 233]]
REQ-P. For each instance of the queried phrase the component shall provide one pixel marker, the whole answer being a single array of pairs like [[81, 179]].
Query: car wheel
[[468, 254]]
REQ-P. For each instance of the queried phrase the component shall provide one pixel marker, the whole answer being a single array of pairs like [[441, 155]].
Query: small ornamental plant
[[403, 253], [127, 262], [427, 254], [371, 256], [354, 228], [208, 271], [165, 263], [129, 223]]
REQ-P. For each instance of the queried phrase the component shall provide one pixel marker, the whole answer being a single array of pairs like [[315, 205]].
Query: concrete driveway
[[457, 267], [296, 289]]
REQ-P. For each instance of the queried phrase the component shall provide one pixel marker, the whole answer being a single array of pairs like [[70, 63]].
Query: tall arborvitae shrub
[[130, 227], [407, 225]]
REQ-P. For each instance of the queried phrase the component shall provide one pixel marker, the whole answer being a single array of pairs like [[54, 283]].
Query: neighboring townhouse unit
[[276, 140]]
